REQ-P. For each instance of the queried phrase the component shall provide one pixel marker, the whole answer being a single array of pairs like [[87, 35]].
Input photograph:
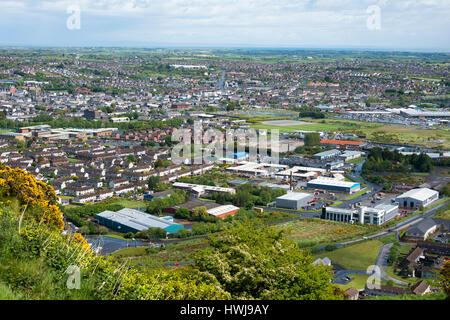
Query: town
[[358, 176]]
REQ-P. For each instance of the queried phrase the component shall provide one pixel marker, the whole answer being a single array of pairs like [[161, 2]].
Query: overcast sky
[[404, 24]]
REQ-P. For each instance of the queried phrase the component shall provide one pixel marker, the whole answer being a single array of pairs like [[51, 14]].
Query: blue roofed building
[[334, 185]]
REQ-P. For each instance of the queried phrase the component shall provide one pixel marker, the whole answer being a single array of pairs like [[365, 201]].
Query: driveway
[[382, 263]]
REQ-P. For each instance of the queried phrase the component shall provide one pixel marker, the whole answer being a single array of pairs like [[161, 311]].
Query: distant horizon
[[281, 48], [382, 25]]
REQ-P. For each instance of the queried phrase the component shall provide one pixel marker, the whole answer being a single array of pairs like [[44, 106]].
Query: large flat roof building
[[294, 200], [334, 185], [364, 215], [131, 220]]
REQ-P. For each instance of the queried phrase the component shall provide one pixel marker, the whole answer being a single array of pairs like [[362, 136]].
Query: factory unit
[[257, 169], [350, 155], [330, 154], [304, 173], [363, 215], [199, 189], [294, 200], [334, 185], [417, 197], [131, 220]]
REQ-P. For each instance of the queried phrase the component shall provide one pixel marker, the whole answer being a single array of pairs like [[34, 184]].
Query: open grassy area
[[315, 231], [325, 125], [443, 215], [375, 131], [438, 296], [173, 253], [127, 203], [357, 160], [356, 195], [359, 282], [355, 257]]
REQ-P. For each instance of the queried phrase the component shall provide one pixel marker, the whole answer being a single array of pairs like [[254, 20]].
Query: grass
[[355, 257], [173, 253], [7, 294], [325, 125], [443, 215], [356, 161], [359, 282], [356, 195], [321, 231], [116, 235], [437, 203], [374, 131], [127, 203], [438, 296]]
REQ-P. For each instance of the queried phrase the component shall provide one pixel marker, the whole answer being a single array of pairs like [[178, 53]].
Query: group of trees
[[199, 214], [380, 160], [156, 206], [256, 262], [247, 196], [150, 234], [62, 122], [311, 112]]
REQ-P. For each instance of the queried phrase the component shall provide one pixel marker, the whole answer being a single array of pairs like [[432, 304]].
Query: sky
[[422, 25]]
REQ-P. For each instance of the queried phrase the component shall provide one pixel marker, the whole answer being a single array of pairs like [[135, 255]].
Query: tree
[[131, 158], [312, 139], [156, 233], [258, 262], [182, 213], [200, 213], [153, 181], [445, 282]]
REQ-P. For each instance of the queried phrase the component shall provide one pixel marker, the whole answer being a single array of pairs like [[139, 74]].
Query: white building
[[417, 197], [294, 200], [363, 215]]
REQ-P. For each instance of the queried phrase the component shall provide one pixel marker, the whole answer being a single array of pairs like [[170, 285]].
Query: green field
[[355, 257], [356, 195], [359, 282], [127, 203], [315, 231], [325, 125], [374, 131], [173, 253]]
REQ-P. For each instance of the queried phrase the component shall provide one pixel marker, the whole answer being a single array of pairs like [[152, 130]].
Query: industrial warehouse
[[130, 220], [417, 197], [294, 200], [334, 185]]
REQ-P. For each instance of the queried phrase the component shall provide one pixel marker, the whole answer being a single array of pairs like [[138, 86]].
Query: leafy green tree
[[312, 139], [153, 181], [257, 262], [200, 213], [182, 213]]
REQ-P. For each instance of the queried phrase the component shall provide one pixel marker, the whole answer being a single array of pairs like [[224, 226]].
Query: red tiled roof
[[341, 142]]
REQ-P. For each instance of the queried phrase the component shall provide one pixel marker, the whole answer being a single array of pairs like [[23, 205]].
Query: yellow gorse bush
[[32, 194]]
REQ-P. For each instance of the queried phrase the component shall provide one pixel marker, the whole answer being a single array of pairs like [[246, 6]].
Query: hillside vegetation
[[40, 261]]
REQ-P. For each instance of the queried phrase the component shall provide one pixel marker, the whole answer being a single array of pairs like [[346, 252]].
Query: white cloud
[[270, 21]]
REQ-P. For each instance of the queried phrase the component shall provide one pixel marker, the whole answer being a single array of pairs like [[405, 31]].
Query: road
[[385, 249], [382, 263]]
